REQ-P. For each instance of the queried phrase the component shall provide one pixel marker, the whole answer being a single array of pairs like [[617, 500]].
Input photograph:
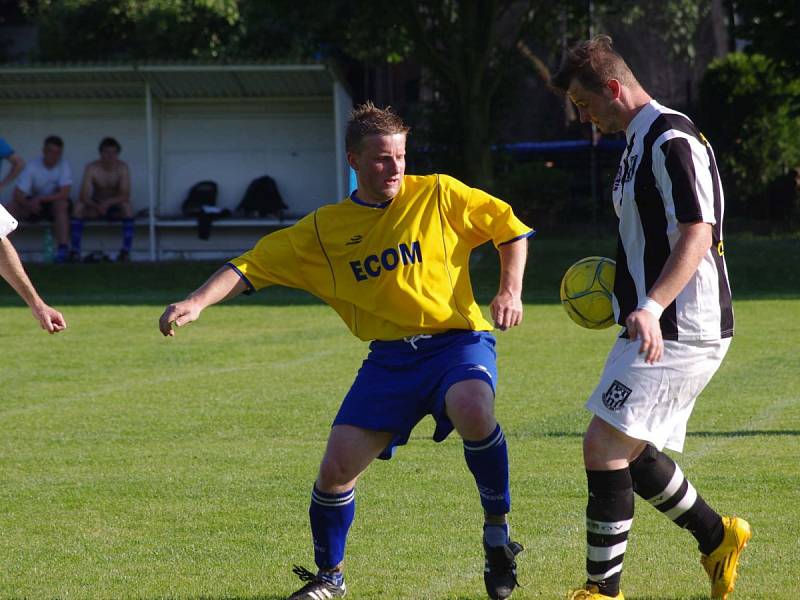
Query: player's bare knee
[[472, 415], [593, 451], [335, 476]]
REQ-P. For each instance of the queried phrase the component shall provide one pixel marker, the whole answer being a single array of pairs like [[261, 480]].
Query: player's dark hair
[[53, 140], [592, 62], [368, 119], [109, 142]]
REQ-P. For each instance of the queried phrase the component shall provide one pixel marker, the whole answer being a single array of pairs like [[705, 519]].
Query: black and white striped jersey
[[668, 175]]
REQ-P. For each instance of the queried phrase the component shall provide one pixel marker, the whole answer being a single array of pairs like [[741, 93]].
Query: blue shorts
[[398, 384]]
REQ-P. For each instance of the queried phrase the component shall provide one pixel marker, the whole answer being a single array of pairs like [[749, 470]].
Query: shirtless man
[[105, 193]]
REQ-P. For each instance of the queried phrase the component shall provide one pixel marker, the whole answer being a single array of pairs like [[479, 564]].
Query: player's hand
[[49, 318], [506, 310], [643, 325], [178, 314]]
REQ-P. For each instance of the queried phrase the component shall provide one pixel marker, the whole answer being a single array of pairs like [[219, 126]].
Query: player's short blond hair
[[367, 119], [592, 62]]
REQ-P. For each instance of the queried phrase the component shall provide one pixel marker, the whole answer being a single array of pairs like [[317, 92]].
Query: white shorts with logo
[[654, 402]]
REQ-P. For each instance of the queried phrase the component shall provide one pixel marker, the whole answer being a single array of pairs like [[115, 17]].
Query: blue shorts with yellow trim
[[402, 381]]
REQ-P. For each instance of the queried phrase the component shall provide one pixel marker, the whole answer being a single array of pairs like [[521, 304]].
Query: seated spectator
[[105, 193], [17, 164], [42, 191]]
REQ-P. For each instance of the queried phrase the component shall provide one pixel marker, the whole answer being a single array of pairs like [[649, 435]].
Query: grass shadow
[[712, 434], [754, 271]]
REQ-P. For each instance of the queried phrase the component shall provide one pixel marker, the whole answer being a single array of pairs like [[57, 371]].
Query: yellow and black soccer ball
[[586, 291]]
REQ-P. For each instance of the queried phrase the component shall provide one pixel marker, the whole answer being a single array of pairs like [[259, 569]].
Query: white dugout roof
[[157, 85]]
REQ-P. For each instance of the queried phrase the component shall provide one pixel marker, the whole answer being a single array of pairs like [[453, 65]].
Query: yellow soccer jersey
[[391, 271]]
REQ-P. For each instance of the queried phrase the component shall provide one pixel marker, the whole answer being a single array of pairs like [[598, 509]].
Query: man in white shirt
[[42, 191]]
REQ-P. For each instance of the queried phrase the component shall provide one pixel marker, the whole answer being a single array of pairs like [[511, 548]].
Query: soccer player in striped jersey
[[393, 261], [672, 297]]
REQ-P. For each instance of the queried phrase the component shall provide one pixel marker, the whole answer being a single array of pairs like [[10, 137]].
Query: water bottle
[[47, 246]]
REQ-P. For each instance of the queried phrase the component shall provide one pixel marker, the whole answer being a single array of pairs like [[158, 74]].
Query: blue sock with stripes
[[331, 516], [488, 461]]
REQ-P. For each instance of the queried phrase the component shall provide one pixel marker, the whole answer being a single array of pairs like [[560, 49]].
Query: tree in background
[[772, 28], [466, 48], [747, 109], [97, 30]]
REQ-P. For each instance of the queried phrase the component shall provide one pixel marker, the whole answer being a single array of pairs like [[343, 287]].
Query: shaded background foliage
[[471, 76]]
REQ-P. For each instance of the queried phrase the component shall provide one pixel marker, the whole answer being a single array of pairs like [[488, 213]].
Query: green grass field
[[134, 466]]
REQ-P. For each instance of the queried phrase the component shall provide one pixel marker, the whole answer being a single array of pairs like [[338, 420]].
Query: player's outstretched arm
[[507, 304], [13, 272], [222, 285]]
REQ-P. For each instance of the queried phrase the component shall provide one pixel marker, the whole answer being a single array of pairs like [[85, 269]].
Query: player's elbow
[[704, 237], [699, 235]]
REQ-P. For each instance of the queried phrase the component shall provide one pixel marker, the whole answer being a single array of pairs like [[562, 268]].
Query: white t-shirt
[[37, 180]]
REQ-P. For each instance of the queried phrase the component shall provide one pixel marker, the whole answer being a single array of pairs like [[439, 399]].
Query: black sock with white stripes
[[660, 481], [609, 514]]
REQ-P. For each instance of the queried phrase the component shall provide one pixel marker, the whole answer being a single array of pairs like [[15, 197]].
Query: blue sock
[[61, 252], [334, 577], [77, 234], [127, 234], [488, 461], [331, 516], [496, 535]]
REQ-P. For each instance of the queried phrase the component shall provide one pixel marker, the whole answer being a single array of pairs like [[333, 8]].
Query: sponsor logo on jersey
[[388, 260], [630, 168], [618, 177], [354, 240], [615, 396], [625, 171]]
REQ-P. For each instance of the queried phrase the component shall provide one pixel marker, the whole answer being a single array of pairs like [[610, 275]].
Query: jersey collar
[[644, 116], [358, 200]]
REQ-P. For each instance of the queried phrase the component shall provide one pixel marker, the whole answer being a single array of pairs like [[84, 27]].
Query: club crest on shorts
[[615, 396]]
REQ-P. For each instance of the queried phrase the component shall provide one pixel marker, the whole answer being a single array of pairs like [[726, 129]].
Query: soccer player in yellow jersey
[[393, 261]]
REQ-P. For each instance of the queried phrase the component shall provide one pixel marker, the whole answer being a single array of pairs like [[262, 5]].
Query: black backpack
[[262, 198], [202, 193]]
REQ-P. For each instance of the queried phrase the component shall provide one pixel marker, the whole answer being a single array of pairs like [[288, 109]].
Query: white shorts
[[654, 402]]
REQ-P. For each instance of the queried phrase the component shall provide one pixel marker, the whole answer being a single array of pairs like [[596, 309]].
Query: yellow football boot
[[591, 592], [721, 563]]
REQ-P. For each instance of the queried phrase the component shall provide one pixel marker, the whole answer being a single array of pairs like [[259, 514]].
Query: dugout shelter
[[180, 123]]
